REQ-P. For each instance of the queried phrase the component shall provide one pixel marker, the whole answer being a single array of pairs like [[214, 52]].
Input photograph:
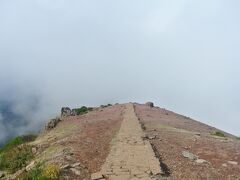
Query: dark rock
[[52, 124], [2, 174], [65, 112], [74, 112], [150, 104]]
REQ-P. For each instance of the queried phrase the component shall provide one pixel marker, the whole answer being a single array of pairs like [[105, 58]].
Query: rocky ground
[[186, 147]]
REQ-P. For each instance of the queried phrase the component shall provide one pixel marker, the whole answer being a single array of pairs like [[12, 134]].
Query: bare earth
[[176, 133], [130, 157], [134, 141]]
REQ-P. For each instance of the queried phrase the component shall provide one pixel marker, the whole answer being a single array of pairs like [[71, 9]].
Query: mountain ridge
[[187, 149]]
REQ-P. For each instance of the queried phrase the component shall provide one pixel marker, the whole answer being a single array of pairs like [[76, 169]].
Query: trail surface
[[130, 157]]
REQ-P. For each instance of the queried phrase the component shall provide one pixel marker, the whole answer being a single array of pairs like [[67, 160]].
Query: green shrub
[[218, 133], [51, 171], [83, 110], [35, 174], [17, 141], [238, 138], [15, 158]]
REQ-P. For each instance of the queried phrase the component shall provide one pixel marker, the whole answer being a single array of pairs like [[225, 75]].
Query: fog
[[181, 54]]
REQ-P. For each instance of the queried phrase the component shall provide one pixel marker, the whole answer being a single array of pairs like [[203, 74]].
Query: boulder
[[150, 104], [65, 112], [189, 155], [52, 124]]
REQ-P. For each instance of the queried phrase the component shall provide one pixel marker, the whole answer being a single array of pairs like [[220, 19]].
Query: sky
[[181, 54]]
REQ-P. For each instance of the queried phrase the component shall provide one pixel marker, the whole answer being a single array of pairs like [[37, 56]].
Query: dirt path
[[131, 157]]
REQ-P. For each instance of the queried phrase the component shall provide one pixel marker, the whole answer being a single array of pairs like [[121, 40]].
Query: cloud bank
[[183, 55]]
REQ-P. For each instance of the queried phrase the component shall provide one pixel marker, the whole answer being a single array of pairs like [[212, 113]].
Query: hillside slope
[[86, 146], [176, 134]]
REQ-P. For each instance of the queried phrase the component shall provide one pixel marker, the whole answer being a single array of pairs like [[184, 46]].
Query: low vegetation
[[42, 172], [238, 138], [17, 141], [15, 154], [83, 110], [15, 158], [218, 133]]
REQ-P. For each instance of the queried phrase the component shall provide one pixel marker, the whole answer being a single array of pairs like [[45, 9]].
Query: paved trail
[[130, 157]]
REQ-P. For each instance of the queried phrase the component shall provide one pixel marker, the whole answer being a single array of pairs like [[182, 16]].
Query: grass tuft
[[17, 141], [218, 133]]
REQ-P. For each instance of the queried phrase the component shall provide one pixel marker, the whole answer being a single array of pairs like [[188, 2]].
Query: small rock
[[75, 164], [97, 176], [75, 171], [30, 166], [201, 161], [151, 137], [65, 166], [233, 162], [224, 165], [198, 134], [189, 155], [34, 150], [2, 174]]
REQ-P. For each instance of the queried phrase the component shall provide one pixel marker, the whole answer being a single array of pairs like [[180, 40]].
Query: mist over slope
[[20, 113], [182, 55]]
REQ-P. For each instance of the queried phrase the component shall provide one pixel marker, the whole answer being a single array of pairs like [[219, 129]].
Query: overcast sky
[[181, 54]]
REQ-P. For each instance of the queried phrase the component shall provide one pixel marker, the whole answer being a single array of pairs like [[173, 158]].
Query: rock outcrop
[[65, 112], [52, 123], [150, 104]]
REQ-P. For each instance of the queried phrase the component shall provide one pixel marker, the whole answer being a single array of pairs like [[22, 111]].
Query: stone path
[[131, 157]]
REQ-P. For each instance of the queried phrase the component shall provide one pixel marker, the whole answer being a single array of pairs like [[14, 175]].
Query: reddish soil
[[176, 133], [97, 129], [84, 139]]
